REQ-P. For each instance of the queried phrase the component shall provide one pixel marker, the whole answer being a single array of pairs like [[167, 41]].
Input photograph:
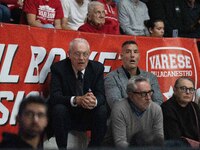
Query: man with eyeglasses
[[179, 112], [116, 81], [136, 113], [32, 120], [77, 95]]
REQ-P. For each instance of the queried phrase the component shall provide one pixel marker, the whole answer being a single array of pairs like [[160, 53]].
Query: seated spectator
[[43, 13], [116, 81], [132, 14], [32, 120], [15, 7], [77, 95], [75, 13], [181, 17], [192, 8], [171, 11], [4, 14], [136, 113], [96, 22], [155, 27], [111, 13], [180, 112]]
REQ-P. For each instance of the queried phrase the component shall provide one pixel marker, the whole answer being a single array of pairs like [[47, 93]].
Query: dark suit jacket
[[63, 82]]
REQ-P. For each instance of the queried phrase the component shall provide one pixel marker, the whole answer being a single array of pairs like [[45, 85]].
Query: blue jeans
[[4, 14], [48, 26]]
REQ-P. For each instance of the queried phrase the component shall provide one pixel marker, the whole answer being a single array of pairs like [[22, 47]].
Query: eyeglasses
[[31, 115], [144, 94], [185, 89]]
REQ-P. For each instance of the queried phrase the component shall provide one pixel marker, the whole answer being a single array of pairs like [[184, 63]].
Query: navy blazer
[[63, 81]]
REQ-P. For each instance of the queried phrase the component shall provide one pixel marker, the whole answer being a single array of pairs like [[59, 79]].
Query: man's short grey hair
[[92, 5], [78, 40], [131, 86]]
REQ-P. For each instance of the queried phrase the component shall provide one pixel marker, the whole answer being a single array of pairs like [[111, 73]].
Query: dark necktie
[[80, 76], [79, 84]]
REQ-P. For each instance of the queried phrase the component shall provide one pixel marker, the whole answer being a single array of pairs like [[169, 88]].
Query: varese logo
[[170, 63]]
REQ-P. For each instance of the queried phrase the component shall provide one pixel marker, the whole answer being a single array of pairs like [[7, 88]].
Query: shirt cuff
[[72, 101], [96, 103]]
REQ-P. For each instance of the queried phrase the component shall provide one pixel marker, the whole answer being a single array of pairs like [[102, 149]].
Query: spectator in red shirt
[[43, 13], [111, 13], [96, 21]]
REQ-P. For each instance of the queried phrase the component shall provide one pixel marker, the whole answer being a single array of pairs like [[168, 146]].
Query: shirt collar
[[128, 74], [76, 71]]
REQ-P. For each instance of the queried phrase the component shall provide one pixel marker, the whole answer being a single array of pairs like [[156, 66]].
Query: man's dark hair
[[129, 42], [29, 100], [182, 78]]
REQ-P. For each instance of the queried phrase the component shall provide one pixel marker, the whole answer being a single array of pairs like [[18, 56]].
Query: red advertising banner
[[26, 54]]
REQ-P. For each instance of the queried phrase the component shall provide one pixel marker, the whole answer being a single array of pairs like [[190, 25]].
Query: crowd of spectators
[[180, 18], [79, 94]]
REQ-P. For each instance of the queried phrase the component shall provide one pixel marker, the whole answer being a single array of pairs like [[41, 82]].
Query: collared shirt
[[135, 109], [76, 71], [128, 74], [132, 16], [76, 74]]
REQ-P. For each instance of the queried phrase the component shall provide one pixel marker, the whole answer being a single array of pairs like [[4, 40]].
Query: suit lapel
[[71, 78]]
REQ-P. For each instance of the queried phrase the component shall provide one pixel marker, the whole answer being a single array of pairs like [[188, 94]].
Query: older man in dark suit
[[77, 95]]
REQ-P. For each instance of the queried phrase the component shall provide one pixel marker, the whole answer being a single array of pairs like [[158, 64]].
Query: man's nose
[[81, 56], [132, 54], [36, 118], [187, 91], [148, 96]]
